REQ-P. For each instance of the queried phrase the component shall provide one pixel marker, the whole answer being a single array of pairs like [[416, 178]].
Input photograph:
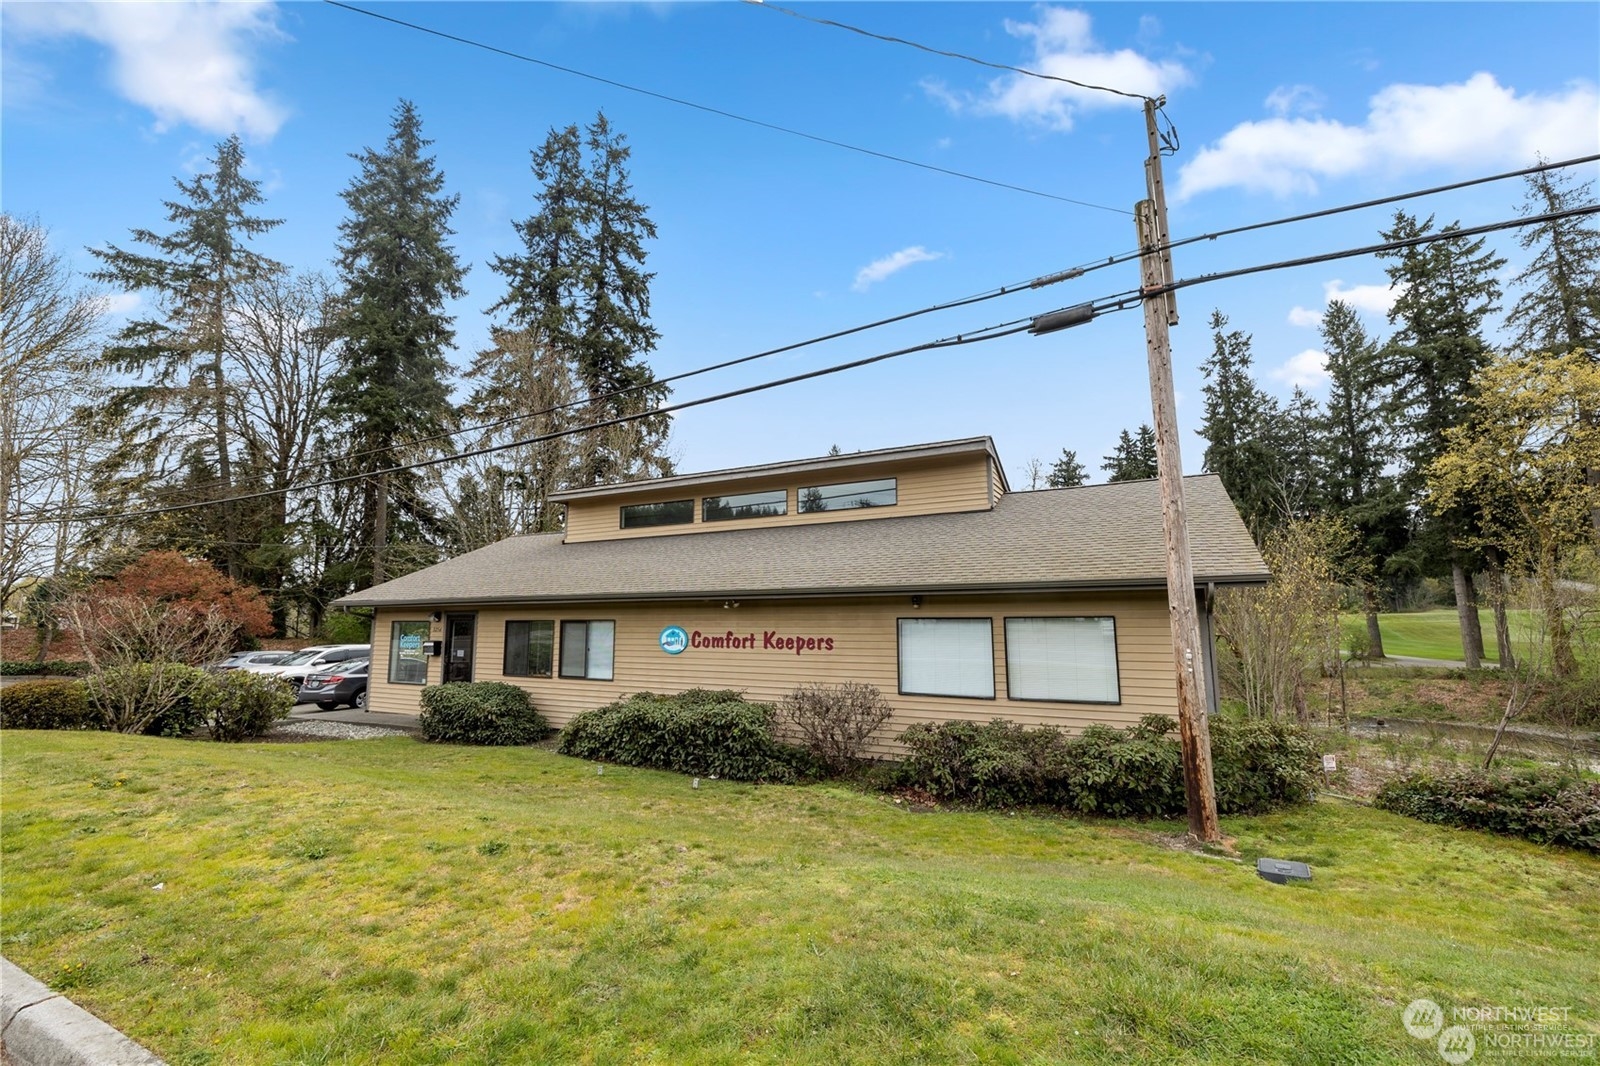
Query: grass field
[[389, 902], [1432, 634]]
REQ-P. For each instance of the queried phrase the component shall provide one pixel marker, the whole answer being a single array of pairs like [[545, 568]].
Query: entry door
[[460, 630]]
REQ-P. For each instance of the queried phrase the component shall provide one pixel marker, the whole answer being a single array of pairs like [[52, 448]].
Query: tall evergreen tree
[[1238, 422], [397, 271], [1066, 472], [1134, 458], [196, 273], [580, 286], [1356, 446], [1446, 292], [1559, 308]]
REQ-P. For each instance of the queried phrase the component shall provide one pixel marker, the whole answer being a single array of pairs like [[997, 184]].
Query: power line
[[948, 55], [1004, 329], [708, 109]]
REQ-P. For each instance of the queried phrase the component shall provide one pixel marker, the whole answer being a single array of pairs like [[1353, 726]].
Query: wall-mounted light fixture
[[916, 602], [728, 605], [438, 616]]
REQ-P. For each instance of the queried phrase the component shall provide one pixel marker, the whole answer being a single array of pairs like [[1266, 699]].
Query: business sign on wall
[[675, 640]]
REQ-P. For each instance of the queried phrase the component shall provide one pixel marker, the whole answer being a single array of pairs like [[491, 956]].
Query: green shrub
[[48, 668], [1134, 772], [156, 699], [240, 705], [481, 712], [708, 733], [834, 722], [46, 704], [1542, 806]]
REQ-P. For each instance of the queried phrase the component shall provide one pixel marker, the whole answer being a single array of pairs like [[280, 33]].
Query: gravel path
[[299, 728]]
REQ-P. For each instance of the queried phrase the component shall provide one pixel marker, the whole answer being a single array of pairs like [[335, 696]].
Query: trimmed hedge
[[481, 712], [1135, 772], [705, 732], [1544, 807], [240, 705], [47, 704]]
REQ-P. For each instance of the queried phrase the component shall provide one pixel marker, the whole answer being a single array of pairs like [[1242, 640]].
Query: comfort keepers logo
[[674, 640]]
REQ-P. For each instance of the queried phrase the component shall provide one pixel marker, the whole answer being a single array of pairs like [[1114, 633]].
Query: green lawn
[[1432, 634], [390, 902]]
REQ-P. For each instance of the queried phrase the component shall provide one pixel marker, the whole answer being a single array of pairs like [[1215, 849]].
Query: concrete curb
[[39, 1027]]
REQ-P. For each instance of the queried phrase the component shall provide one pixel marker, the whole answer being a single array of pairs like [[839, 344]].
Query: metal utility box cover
[[1282, 871]]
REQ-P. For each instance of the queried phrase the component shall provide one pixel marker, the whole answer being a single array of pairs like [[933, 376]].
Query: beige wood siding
[[865, 636], [938, 486]]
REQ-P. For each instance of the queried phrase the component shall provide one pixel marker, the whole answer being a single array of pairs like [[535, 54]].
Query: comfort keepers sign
[[675, 640]]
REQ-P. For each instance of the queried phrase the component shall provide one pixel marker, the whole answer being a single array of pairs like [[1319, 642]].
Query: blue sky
[[767, 239]]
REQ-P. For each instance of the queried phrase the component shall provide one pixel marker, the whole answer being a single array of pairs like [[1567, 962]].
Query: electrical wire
[[1004, 329], [948, 55], [708, 109]]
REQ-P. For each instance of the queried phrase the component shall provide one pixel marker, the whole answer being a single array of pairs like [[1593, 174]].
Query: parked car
[[315, 660], [347, 684], [249, 658]]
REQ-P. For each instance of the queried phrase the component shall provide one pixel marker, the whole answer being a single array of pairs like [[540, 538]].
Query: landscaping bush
[[1134, 772], [1542, 806], [46, 704], [1573, 703], [705, 732], [48, 668], [156, 699], [481, 712], [238, 705], [834, 722]]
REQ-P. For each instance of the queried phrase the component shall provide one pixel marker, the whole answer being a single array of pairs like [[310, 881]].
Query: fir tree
[[1134, 458], [397, 271], [1559, 309], [1446, 292], [1356, 446], [196, 273], [1067, 472], [580, 286], [1238, 423]]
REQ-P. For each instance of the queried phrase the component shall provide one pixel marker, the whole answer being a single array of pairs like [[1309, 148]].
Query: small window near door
[[408, 664], [530, 647], [587, 649]]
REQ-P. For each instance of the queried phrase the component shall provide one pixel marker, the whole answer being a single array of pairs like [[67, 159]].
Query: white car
[[315, 660]]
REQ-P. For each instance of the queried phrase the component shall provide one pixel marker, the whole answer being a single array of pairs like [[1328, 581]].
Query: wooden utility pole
[[1160, 312]]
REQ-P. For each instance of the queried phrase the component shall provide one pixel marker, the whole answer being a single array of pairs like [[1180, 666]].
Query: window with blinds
[[587, 649], [1071, 660], [947, 657], [529, 648]]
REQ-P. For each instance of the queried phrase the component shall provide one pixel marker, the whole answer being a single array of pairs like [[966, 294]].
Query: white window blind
[[1070, 659], [602, 640], [947, 657]]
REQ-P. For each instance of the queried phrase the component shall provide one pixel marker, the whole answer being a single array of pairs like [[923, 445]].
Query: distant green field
[[1432, 634]]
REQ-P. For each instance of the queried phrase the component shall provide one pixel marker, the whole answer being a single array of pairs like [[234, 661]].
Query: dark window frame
[[899, 657], [1116, 657], [687, 520], [394, 644], [505, 659], [726, 501], [892, 482], [559, 652]]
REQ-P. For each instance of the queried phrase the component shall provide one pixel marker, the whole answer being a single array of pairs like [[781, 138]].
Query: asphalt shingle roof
[[1094, 536]]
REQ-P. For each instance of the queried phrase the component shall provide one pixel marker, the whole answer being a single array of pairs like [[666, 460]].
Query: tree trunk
[[1467, 615], [1374, 634], [1561, 656], [380, 528], [1502, 624], [230, 549]]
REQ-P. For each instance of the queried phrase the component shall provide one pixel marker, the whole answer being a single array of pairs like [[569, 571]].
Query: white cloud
[[879, 269], [188, 63], [1408, 127], [1063, 46], [1373, 299], [1308, 370], [1304, 317], [119, 303], [1294, 99]]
